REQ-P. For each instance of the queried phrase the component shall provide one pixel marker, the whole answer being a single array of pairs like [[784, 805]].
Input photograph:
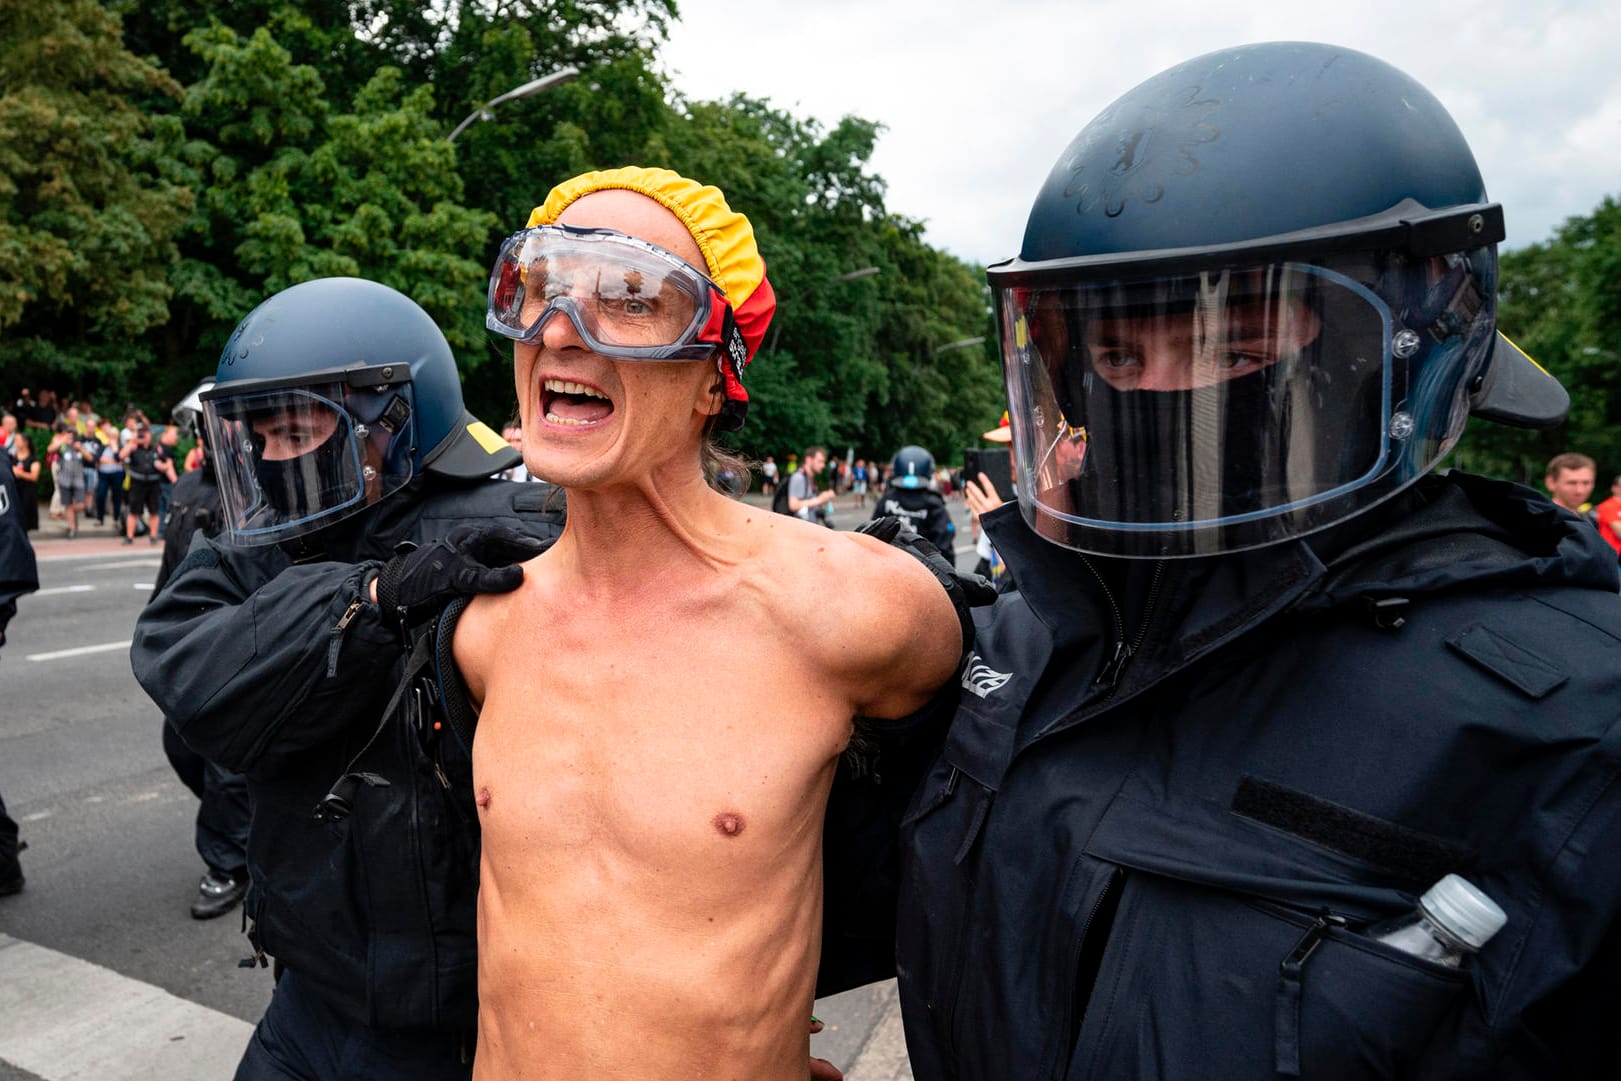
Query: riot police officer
[[909, 494], [223, 808], [345, 463], [19, 575], [1267, 678]]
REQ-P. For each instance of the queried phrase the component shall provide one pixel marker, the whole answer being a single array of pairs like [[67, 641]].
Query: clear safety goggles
[[1238, 406], [626, 298], [291, 459]]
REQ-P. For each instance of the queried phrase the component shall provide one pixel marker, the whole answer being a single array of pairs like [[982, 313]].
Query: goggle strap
[[731, 340]]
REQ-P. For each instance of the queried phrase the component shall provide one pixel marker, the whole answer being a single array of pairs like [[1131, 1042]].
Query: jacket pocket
[[1202, 970]]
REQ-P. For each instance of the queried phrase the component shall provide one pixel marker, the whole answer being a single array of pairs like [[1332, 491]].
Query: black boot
[[218, 893], [11, 877]]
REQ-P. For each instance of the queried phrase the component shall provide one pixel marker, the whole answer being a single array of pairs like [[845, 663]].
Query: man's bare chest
[[663, 744]]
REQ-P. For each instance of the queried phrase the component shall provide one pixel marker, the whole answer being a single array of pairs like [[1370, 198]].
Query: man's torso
[[652, 813]]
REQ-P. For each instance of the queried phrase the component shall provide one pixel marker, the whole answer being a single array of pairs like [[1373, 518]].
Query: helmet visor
[[1225, 409], [627, 299], [291, 460]]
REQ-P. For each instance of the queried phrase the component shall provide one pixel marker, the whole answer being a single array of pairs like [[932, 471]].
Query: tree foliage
[[88, 204], [1560, 301], [294, 190], [263, 142]]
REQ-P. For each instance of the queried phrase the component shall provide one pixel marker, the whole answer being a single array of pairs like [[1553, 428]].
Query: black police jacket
[[282, 672], [18, 572], [194, 505], [1160, 863], [924, 510]]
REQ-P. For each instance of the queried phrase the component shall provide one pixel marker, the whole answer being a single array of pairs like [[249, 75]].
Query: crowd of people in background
[[98, 467]]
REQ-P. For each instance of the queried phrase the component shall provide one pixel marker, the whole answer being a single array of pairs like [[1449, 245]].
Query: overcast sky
[[978, 99]]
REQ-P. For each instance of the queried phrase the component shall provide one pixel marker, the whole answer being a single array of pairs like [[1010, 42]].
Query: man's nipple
[[730, 823], [484, 797]]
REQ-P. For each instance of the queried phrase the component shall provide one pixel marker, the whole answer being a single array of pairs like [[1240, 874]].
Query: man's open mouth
[[563, 402]]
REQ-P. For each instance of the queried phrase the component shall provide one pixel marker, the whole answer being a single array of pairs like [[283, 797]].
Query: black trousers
[[223, 813], [300, 1038]]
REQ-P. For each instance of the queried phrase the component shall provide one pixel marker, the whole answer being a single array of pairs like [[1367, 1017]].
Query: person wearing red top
[[1608, 516]]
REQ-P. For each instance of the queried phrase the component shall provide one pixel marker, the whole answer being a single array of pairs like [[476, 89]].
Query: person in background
[[804, 501], [68, 459], [1607, 516], [1570, 481], [109, 475], [147, 466], [167, 440], [25, 469], [981, 497], [513, 434], [1269, 679], [768, 475], [911, 496]]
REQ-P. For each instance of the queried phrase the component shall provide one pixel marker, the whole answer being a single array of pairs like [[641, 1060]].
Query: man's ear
[[717, 395]]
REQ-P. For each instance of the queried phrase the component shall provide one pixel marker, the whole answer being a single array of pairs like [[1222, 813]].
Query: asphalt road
[[103, 974]]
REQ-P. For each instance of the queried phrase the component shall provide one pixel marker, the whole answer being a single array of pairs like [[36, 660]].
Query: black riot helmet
[[913, 467], [330, 396], [1256, 296]]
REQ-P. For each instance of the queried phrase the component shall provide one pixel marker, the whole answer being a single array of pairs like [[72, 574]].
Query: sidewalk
[[51, 540]]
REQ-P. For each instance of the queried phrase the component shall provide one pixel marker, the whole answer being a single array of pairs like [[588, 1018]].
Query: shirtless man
[[664, 700]]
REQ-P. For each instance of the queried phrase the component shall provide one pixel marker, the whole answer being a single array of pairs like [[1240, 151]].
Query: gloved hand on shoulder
[[473, 559], [966, 591]]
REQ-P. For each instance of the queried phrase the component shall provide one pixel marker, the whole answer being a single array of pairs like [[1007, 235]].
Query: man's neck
[[619, 539]]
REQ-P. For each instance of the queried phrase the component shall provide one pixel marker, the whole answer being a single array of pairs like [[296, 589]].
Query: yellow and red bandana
[[724, 236]]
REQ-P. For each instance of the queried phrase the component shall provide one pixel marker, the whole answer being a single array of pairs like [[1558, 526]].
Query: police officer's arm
[[252, 666]]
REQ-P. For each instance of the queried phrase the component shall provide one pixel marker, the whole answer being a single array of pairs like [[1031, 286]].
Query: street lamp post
[[960, 343], [529, 89], [849, 276]]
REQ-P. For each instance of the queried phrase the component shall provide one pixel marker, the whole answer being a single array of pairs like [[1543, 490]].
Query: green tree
[[88, 199], [1560, 301], [294, 190]]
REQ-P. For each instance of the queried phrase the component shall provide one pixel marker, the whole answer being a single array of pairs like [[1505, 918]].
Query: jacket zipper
[[1291, 980], [1124, 650], [335, 642]]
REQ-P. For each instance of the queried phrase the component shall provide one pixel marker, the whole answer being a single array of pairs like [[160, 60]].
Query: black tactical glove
[[965, 590], [474, 559]]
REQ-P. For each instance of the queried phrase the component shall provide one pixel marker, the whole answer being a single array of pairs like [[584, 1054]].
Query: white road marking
[[142, 585], [69, 1020], [77, 651], [62, 589], [35, 817], [147, 561]]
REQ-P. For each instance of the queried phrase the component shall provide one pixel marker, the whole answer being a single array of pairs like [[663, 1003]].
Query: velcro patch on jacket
[[1533, 675], [1422, 857]]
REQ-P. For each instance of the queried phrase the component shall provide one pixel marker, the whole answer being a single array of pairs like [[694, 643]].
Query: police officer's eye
[[1117, 359]]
